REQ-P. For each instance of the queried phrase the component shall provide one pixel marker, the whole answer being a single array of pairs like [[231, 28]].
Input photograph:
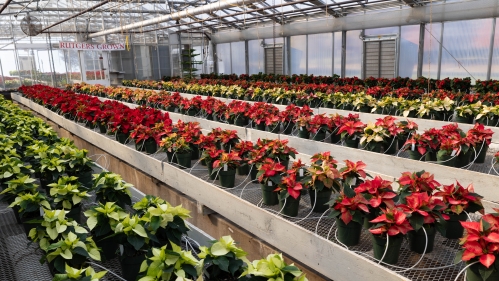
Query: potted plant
[[289, 193], [73, 249], [209, 155], [79, 164], [110, 187], [84, 274], [322, 178], [448, 152], [101, 221], [67, 195], [373, 138], [269, 175], [223, 260], [407, 128], [416, 182], [426, 217], [172, 263], [28, 208], [165, 222], [459, 201], [243, 149], [11, 168], [349, 214], [482, 138], [351, 132], [228, 139], [379, 194], [276, 149], [280, 269], [388, 233], [353, 174], [131, 233], [388, 123], [480, 249], [17, 186], [225, 166], [418, 146], [146, 139], [319, 126], [303, 123], [465, 113]]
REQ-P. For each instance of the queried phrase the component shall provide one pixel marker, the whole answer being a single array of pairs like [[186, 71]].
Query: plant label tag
[[269, 183], [453, 152], [413, 146], [354, 138], [301, 172], [301, 128], [176, 110], [41, 212], [354, 181], [121, 249], [225, 168]]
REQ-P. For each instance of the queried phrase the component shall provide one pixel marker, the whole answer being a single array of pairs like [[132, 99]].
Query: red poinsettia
[[270, 170], [424, 209], [459, 199], [353, 169], [418, 182], [348, 209], [290, 185], [481, 242], [379, 192], [480, 135], [392, 221]]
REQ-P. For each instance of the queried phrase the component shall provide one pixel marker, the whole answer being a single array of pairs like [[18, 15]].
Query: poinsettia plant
[[391, 222], [270, 170], [352, 129], [289, 186], [142, 133], [353, 173], [322, 173], [480, 135], [421, 181], [349, 208], [481, 244], [424, 209], [459, 199], [226, 161], [378, 192], [276, 149]]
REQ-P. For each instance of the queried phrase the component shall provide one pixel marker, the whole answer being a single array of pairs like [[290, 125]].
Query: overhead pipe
[[176, 16], [5, 5], [78, 14]]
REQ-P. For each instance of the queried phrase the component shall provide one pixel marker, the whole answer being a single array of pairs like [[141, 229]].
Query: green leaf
[[67, 254], [416, 221], [189, 269], [139, 229], [91, 222], [459, 257], [223, 263], [136, 242], [485, 272]]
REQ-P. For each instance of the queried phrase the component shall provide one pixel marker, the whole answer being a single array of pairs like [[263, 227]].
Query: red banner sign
[[91, 47]]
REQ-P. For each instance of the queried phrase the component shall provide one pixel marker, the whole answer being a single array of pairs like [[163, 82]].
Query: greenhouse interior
[[252, 140]]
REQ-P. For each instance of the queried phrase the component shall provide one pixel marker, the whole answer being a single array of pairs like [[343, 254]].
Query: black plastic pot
[[417, 239], [184, 159], [288, 127], [415, 155], [464, 159], [303, 133], [85, 178], [482, 152], [335, 138], [227, 178], [240, 121], [270, 197], [319, 136], [243, 170], [473, 272], [260, 126], [75, 213], [393, 251], [390, 147], [376, 147], [253, 172], [102, 128], [29, 217], [320, 199], [447, 160], [195, 151], [130, 266], [289, 206], [350, 142], [121, 137], [274, 128], [171, 157], [465, 119], [108, 246], [454, 228], [213, 175], [348, 234], [431, 156]]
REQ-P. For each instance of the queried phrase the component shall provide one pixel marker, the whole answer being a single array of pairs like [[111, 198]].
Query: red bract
[[418, 182], [479, 134], [389, 124], [290, 185], [270, 170], [392, 221], [379, 192], [353, 169], [423, 205], [352, 128], [348, 209], [232, 160], [481, 241], [243, 148], [459, 199]]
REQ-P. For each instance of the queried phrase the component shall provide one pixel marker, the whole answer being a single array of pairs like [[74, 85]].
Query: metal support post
[[491, 48], [421, 49], [343, 53], [440, 51]]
